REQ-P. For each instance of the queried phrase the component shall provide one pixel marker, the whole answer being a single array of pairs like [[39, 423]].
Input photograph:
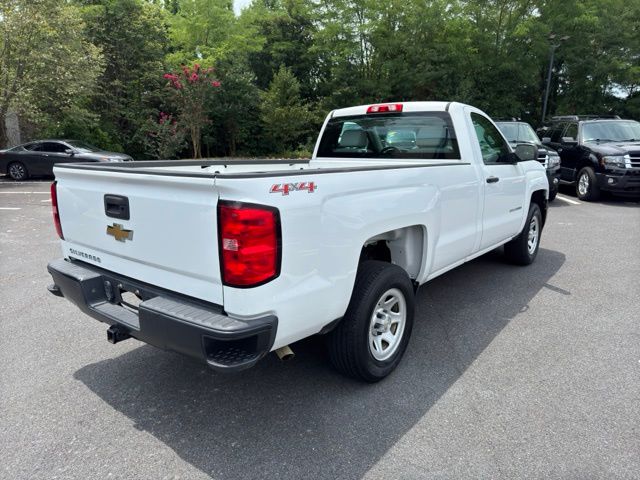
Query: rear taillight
[[385, 108], [249, 242], [54, 206]]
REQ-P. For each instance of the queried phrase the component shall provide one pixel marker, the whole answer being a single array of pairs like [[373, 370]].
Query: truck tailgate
[[172, 222]]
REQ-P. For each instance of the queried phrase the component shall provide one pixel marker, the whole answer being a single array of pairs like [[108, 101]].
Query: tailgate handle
[[116, 206]]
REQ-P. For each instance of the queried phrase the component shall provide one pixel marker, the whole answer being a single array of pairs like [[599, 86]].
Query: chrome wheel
[[534, 235], [583, 184], [17, 171], [387, 324]]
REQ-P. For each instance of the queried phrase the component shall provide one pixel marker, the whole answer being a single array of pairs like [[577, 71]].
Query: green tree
[[285, 119], [288, 28], [133, 37], [493, 54], [600, 61], [234, 112], [207, 31], [47, 66]]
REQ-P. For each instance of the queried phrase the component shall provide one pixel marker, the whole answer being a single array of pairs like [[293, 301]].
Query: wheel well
[[590, 161], [403, 247], [540, 199]]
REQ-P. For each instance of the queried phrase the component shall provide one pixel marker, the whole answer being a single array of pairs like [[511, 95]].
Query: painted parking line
[[26, 193], [568, 200], [47, 200], [13, 182], [9, 208]]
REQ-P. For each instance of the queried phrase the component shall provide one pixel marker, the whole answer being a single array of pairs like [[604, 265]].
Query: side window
[[556, 133], [492, 145], [26, 146], [52, 147], [571, 131]]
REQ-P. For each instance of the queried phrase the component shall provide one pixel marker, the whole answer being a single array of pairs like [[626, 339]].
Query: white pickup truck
[[227, 260]]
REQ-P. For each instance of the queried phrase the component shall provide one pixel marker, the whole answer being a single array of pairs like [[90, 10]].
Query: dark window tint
[[492, 144], [52, 147], [428, 135], [571, 131], [556, 133], [83, 147]]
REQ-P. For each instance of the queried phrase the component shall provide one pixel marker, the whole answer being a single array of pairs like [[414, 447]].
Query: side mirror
[[546, 139], [526, 152], [69, 151], [570, 141]]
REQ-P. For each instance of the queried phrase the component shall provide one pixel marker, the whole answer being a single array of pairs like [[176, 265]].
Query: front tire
[[370, 340], [587, 185], [17, 171], [523, 249], [553, 191]]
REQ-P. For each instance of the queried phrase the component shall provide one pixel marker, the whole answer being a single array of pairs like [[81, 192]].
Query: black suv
[[596, 154], [521, 132]]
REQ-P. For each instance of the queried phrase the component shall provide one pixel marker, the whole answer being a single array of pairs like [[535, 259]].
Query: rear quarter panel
[[323, 233]]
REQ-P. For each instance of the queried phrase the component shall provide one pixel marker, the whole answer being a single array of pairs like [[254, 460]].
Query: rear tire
[[523, 249], [17, 171], [373, 335], [587, 185]]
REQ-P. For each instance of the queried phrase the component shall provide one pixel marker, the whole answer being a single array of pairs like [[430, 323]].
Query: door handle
[[492, 179]]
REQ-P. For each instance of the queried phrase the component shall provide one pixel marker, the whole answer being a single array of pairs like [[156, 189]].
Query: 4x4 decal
[[285, 188]]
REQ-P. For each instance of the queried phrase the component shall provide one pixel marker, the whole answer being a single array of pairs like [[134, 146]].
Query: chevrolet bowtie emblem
[[119, 233]]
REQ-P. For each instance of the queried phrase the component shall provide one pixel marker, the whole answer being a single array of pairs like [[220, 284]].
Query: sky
[[238, 4]]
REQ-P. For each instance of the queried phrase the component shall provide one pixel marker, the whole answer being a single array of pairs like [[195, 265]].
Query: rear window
[[425, 135]]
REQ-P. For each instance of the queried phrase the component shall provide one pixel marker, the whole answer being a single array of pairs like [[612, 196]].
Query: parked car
[[597, 154], [226, 261], [521, 132], [38, 158]]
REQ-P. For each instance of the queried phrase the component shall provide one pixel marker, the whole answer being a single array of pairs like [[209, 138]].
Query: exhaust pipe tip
[[285, 353]]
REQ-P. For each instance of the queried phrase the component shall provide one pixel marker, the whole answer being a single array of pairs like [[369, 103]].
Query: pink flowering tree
[[164, 138], [191, 87]]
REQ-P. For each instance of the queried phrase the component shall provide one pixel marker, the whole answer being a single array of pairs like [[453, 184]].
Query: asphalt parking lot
[[511, 372]]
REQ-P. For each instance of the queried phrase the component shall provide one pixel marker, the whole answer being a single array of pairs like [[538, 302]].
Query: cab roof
[[406, 107]]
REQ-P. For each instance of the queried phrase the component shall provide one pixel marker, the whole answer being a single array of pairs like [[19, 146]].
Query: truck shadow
[[301, 419]]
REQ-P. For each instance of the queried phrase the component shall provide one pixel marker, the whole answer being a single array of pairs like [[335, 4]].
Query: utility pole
[[554, 46]]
